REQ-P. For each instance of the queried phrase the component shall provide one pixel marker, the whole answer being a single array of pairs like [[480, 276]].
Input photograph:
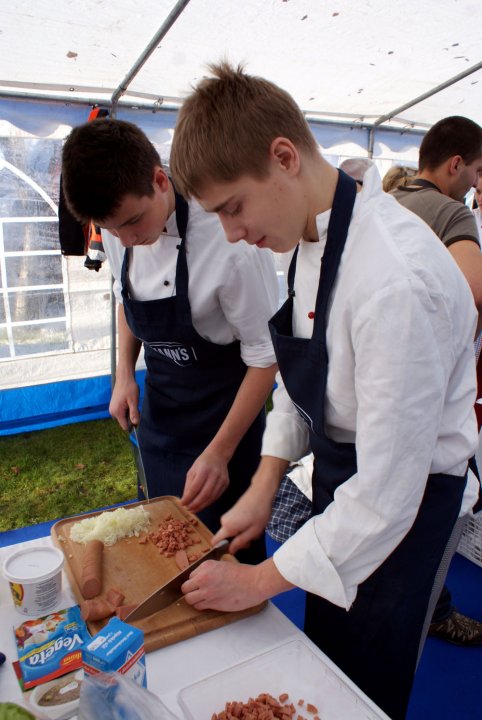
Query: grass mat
[[63, 471]]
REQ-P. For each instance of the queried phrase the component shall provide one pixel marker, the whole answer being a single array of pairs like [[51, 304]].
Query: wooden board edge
[[211, 620], [56, 539]]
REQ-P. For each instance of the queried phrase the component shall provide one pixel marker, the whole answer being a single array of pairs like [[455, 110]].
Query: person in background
[[397, 176], [375, 353], [356, 167], [198, 306], [450, 161], [477, 209]]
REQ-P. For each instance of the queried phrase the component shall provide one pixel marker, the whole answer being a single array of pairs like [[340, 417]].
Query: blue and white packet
[[50, 646]]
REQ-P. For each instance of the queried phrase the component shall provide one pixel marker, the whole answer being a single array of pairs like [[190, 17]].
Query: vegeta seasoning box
[[118, 647], [50, 646]]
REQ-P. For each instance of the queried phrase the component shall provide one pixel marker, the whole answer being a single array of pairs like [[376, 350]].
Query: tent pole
[[383, 118], [371, 142], [163, 30], [113, 334], [429, 93]]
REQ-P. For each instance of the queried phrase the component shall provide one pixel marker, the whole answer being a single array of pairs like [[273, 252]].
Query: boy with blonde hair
[[376, 375]]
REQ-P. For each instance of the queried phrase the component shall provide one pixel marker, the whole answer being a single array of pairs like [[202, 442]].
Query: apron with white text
[[190, 386]]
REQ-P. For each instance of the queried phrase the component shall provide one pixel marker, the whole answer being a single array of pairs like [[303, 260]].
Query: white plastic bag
[[112, 696]]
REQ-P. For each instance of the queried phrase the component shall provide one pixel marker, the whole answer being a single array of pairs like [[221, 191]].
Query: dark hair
[[455, 135], [102, 162]]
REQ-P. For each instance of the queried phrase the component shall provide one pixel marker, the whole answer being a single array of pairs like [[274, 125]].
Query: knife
[[171, 591], [132, 429]]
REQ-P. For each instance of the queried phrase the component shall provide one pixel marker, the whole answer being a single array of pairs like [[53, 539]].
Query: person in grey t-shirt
[[450, 162]]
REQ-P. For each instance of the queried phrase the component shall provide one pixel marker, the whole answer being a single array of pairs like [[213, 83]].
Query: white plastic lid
[[33, 564]]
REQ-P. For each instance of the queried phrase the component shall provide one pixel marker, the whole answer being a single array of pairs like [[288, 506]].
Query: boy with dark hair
[[199, 307], [377, 374]]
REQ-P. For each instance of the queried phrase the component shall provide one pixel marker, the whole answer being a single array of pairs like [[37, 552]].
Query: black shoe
[[458, 629]]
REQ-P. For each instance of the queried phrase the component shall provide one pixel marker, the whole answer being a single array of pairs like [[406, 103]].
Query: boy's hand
[[246, 520], [124, 402], [206, 480], [224, 586], [229, 586]]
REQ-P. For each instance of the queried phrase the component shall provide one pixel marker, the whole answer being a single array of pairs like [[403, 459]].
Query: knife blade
[[138, 457], [171, 591]]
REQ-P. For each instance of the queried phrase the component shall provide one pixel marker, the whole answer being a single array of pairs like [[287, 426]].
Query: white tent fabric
[[338, 58], [347, 64]]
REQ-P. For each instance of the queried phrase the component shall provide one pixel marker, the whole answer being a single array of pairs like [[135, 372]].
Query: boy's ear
[[454, 163], [285, 154], [160, 178]]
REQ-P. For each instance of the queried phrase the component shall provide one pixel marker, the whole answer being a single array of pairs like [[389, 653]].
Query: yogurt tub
[[35, 578]]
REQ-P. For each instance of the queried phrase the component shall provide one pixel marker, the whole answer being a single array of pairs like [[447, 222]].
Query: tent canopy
[[341, 60], [357, 69]]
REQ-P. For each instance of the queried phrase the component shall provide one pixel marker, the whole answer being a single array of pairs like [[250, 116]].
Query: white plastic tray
[[291, 668]]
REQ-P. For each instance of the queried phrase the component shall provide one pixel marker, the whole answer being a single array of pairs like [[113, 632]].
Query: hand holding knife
[[171, 591]]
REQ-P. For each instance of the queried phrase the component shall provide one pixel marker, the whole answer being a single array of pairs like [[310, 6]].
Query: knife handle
[[130, 425]]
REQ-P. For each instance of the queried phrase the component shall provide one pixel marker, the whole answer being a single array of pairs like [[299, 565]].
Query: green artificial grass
[[64, 471]]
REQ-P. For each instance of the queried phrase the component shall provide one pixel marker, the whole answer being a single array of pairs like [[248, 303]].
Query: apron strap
[[182, 274], [340, 218], [182, 212], [182, 216], [292, 273]]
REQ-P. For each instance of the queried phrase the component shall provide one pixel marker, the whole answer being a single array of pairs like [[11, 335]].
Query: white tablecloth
[[172, 668]]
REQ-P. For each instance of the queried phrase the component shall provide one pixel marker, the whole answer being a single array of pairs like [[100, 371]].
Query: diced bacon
[[264, 707], [172, 535]]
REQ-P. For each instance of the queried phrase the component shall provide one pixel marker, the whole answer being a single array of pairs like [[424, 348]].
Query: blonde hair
[[398, 176], [226, 126]]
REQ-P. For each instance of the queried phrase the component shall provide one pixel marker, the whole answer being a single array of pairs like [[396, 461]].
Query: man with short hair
[[450, 161], [377, 375]]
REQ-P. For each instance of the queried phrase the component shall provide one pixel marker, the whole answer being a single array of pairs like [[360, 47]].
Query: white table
[[172, 668]]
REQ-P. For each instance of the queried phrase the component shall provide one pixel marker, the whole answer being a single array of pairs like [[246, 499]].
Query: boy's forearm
[[250, 399], [269, 580], [129, 345]]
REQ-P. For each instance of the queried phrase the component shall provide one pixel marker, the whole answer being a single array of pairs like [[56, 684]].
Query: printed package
[[50, 646], [49, 666], [118, 647]]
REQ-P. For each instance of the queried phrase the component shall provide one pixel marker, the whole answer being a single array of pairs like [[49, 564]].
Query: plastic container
[[470, 545], [35, 578], [291, 668]]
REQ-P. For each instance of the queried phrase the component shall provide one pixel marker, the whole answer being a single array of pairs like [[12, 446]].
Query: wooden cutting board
[[138, 569]]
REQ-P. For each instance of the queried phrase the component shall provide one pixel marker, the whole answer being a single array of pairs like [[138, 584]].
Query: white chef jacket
[[233, 289], [408, 414]]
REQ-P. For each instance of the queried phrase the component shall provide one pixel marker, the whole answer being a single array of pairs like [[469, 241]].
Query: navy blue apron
[[190, 386], [376, 642]]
